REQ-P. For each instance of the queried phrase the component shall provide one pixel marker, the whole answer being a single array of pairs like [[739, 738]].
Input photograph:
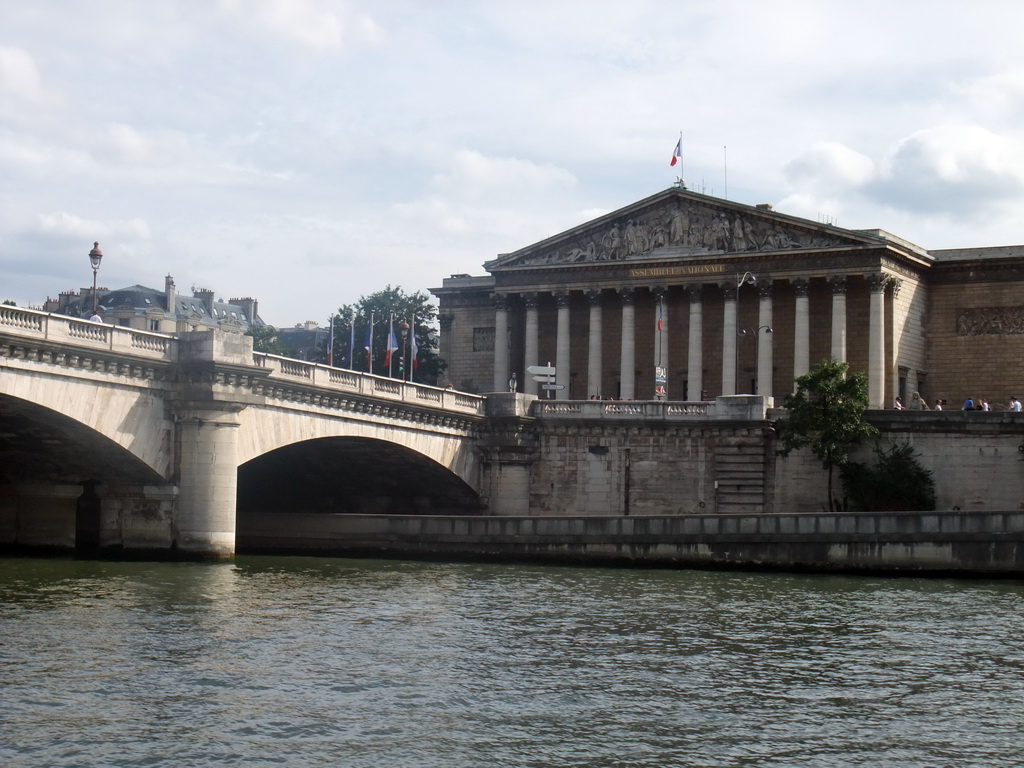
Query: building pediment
[[679, 224]]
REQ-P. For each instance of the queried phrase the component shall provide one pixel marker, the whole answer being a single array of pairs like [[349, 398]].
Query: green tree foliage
[[265, 339], [387, 306], [896, 482], [9, 303], [826, 414]]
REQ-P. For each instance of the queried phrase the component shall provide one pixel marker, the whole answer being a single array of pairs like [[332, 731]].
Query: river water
[[330, 662]]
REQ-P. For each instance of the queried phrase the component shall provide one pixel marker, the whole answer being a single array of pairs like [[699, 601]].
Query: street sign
[[552, 386], [544, 379], [544, 370]]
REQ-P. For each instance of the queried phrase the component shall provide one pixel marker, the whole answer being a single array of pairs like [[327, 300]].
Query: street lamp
[[404, 326], [95, 256], [757, 343], [731, 323]]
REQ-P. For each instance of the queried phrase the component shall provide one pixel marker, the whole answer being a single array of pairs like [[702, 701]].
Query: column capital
[[728, 290], [896, 285], [594, 296], [531, 299], [659, 291], [562, 298], [878, 282], [764, 290], [500, 300], [801, 286], [628, 295], [695, 292], [445, 321], [838, 285]]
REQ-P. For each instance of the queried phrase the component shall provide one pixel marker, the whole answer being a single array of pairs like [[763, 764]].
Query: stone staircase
[[740, 468]]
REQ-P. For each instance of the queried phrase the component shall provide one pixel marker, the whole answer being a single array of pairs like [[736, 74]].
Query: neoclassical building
[[688, 297]]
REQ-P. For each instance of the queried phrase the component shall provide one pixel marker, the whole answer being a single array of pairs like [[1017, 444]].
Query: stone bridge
[[118, 438]]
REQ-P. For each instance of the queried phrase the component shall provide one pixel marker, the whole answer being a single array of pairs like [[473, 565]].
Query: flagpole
[[677, 155], [352, 343], [391, 333], [330, 344], [369, 346]]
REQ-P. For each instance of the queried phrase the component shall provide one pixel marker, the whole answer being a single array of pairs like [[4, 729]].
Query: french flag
[[677, 153], [392, 345]]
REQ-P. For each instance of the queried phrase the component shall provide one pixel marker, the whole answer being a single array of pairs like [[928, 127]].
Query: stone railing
[[737, 407], [285, 370], [26, 328]]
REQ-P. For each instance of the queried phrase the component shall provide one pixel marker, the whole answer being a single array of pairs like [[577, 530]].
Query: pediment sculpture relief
[[686, 231]]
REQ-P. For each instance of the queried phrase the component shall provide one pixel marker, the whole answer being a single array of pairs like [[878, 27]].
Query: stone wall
[[990, 543], [648, 458]]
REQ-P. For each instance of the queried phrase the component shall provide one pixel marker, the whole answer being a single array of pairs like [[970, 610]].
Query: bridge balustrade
[[61, 329], [736, 407], [378, 387]]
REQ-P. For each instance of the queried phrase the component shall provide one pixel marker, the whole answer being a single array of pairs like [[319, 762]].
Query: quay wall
[[949, 542]]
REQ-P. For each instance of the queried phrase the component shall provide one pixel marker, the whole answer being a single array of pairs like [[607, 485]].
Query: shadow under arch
[[351, 475]]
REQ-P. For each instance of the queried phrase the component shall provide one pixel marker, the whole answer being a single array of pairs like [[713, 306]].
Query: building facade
[[684, 296], [167, 311]]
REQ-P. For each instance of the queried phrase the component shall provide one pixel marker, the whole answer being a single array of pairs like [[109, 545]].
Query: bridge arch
[[350, 474]]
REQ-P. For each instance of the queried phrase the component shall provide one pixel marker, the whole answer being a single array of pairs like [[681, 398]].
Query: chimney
[[249, 306], [172, 295], [206, 296]]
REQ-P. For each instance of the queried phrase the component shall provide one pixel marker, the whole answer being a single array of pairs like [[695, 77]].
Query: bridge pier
[[508, 447], [204, 524], [38, 515]]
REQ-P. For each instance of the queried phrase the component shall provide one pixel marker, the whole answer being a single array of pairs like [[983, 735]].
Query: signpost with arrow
[[545, 374]]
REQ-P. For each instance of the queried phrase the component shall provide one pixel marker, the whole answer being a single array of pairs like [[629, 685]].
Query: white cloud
[[311, 24], [69, 227], [19, 75], [473, 174], [952, 169]]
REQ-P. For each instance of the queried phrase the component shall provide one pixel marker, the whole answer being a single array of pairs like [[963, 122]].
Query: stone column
[[207, 437], [531, 343], [801, 330], [594, 364], [661, 339], [838, 318], [695, 354], [729, 331], [765, 335], [876, 341], [562, 346], [500, 343], [627, 362]]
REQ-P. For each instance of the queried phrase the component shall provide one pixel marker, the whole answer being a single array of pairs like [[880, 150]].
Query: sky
[[310, 152]]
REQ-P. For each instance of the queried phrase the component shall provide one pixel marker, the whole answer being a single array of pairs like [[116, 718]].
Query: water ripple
[[302, 662]]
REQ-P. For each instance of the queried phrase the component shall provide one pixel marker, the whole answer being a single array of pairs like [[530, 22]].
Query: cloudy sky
[[308, 152]]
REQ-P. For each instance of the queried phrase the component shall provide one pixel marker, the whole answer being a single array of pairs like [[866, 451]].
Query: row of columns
[[695, 357]]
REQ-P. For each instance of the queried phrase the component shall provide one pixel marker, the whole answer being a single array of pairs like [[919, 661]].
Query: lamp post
[[731, 334], [405, 346], [95, 256], [757, 342]]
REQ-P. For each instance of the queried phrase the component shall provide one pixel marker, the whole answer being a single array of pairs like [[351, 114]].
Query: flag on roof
[[677, 153]]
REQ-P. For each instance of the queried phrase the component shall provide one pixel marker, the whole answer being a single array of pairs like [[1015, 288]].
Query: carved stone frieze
[[686, 229], [990, 321]]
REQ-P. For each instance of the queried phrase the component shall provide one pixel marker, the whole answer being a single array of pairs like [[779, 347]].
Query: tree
[[264, 339], [389, 308], [826, 413], [896, 482]]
